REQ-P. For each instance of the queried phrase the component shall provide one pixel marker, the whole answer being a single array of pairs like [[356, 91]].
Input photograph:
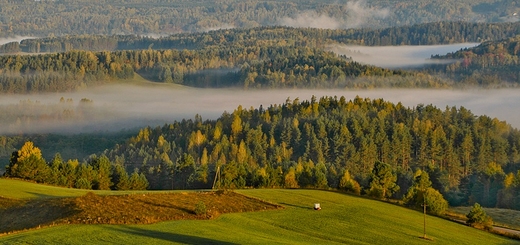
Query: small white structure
[[317, 206]]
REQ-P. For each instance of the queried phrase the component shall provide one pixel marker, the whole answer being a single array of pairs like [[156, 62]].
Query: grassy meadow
[[18, 189], [344, 219]]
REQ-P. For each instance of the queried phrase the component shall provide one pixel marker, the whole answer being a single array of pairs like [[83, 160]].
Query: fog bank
[[356, 14], [13, 39], [398, 56], [117, 107]]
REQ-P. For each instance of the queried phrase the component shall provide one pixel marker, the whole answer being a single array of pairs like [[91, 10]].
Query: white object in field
[[317, 206]]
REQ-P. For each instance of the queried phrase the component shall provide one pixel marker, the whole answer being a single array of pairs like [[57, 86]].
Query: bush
[[375, 192], [348, 184], [200, 208], [435, 201], [478, 218]]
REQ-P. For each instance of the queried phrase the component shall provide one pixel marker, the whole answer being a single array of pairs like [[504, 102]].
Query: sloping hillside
[[343, 219]]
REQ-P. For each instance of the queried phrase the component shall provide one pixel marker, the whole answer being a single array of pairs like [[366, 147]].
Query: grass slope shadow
[[166, 236], [35, 213]]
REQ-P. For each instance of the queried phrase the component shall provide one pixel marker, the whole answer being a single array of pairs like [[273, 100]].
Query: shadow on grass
[[166, 236], [35, 214], [296, 206], [40, 195], [426, 238]]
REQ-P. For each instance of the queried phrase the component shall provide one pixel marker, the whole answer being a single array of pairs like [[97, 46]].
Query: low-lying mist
[[398, 56], [117, 107], [13, 39], [355, 14]]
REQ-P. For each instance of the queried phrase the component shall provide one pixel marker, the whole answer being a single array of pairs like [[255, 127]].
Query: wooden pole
[[424, 207], [424, 214], [217, 178]]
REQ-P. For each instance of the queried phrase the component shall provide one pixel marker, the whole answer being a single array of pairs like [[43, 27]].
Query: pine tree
[[28, 163], [383, 181], [120, 178]]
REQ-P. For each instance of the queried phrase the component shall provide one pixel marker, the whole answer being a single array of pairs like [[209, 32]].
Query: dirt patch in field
[[125, 209]]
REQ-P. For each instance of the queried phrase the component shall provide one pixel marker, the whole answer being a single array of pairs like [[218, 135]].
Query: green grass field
[[18, 189], [344, 219]]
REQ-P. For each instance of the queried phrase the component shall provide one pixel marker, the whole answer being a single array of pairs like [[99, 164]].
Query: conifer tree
[[383, 181]]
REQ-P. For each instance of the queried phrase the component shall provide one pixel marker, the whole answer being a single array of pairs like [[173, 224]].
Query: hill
[[262, 57], [306, 144], [490, 64], [161, 17], [420, 34], [313, 143], [49, 206], [343, 219]]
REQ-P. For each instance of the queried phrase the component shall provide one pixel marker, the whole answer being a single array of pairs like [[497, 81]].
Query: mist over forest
[[126, 106], [369, 97], [405, 56], [14, 39], [56, 18], [117, 107], [356, 14]]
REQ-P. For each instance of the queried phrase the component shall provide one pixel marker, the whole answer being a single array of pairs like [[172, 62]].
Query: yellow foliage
[[493, 168], [509, 180], [27, 150], [290, 179]]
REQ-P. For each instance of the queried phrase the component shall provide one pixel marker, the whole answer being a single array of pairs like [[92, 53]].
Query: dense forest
[[158, 17], [364, 146], [328, 142], [264, 67], [468, 157], [264, 57], [70, 146], [490, 64], [98, 173], [419, 34]]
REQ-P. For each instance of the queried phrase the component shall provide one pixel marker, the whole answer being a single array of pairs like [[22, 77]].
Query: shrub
[[435, 201], [477, 217], [200, 208], [348, 184]]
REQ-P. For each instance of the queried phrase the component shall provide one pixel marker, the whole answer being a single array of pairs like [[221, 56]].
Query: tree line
[[315, 143], [364, 146], [265, 57], [491, 64], [78, 69], [98, 173], [70, 146], [57, 18], [419, 34]]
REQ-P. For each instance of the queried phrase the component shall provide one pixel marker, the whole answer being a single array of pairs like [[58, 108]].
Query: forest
[[418, 34], [321, 143], [47, 18], [364, 146], [489, 64], [265, 57], [294, 67]]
